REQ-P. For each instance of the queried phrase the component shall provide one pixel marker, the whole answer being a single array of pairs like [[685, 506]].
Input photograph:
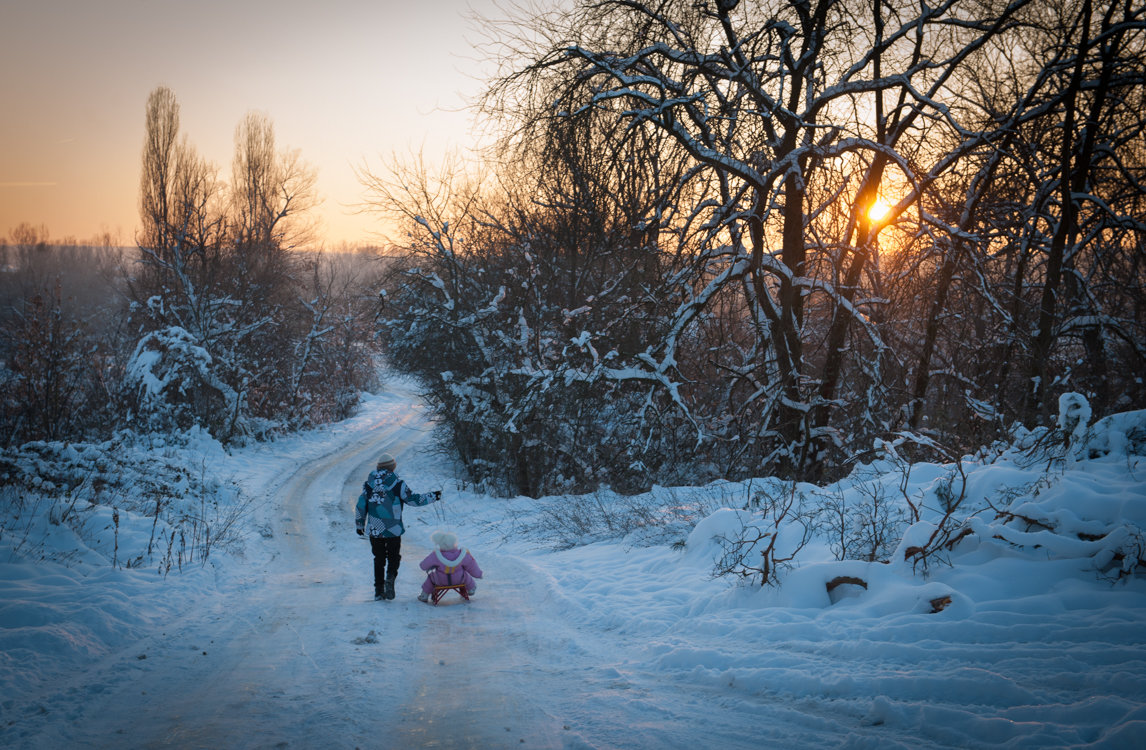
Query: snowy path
[[293, 652], [271, 660], [301, 656], [604, 645]]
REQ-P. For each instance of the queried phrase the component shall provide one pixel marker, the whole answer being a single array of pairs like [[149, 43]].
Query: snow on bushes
[[174, 384], [86, 533], [133, 501], [1073, 497], [1074, 494]]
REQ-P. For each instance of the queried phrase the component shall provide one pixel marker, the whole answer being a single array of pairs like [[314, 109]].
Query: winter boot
[[379, 596], [423, 597], [388, 590]]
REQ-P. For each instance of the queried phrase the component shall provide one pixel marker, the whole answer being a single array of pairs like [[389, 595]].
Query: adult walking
[[379, 513]]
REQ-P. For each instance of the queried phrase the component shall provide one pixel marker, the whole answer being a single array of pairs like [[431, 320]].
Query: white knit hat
[[386, 461], [444, 539]]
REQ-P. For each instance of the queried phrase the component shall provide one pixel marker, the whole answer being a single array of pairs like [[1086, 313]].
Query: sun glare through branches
[[878, 210]]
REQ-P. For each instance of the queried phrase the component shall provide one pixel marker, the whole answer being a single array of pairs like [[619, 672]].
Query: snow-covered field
[[599, 623]]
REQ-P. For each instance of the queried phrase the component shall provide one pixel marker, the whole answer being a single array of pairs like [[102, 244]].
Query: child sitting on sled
[[448, 566]]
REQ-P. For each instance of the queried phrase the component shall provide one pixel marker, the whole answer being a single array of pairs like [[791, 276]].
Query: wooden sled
[[440, 591]]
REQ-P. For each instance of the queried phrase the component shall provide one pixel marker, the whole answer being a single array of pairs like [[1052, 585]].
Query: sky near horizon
[[346, 82]]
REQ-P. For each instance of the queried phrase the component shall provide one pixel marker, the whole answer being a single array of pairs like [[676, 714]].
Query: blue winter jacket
[[379, 507]]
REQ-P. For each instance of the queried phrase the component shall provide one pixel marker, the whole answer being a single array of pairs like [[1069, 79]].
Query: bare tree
[[691, 184], [1102, 63], [217, 284], [160, 149], [271, 191], [765, 97]]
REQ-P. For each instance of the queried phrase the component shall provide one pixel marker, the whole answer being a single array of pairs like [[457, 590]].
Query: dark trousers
[[387, 556]]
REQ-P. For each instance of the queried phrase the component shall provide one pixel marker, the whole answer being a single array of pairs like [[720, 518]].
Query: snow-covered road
[[292, 651], [604, 645], [297, 654]]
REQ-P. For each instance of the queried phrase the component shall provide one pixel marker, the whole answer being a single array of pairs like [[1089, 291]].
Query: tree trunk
[[1074, 176], [931, 333]]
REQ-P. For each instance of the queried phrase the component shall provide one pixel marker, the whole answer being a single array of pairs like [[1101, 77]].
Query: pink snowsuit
[[464, 569]]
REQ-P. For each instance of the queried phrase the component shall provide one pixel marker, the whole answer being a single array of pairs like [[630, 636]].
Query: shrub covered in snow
[[1069, 494], [173, 385], [133, 501]]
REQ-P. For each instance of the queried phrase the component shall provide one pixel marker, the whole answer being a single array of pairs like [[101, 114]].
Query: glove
[[360, 532], [437, 495]]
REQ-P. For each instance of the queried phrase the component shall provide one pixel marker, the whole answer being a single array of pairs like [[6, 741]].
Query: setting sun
[[878, 210]]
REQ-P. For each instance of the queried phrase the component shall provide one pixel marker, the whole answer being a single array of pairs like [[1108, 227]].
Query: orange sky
[[347, 82]]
